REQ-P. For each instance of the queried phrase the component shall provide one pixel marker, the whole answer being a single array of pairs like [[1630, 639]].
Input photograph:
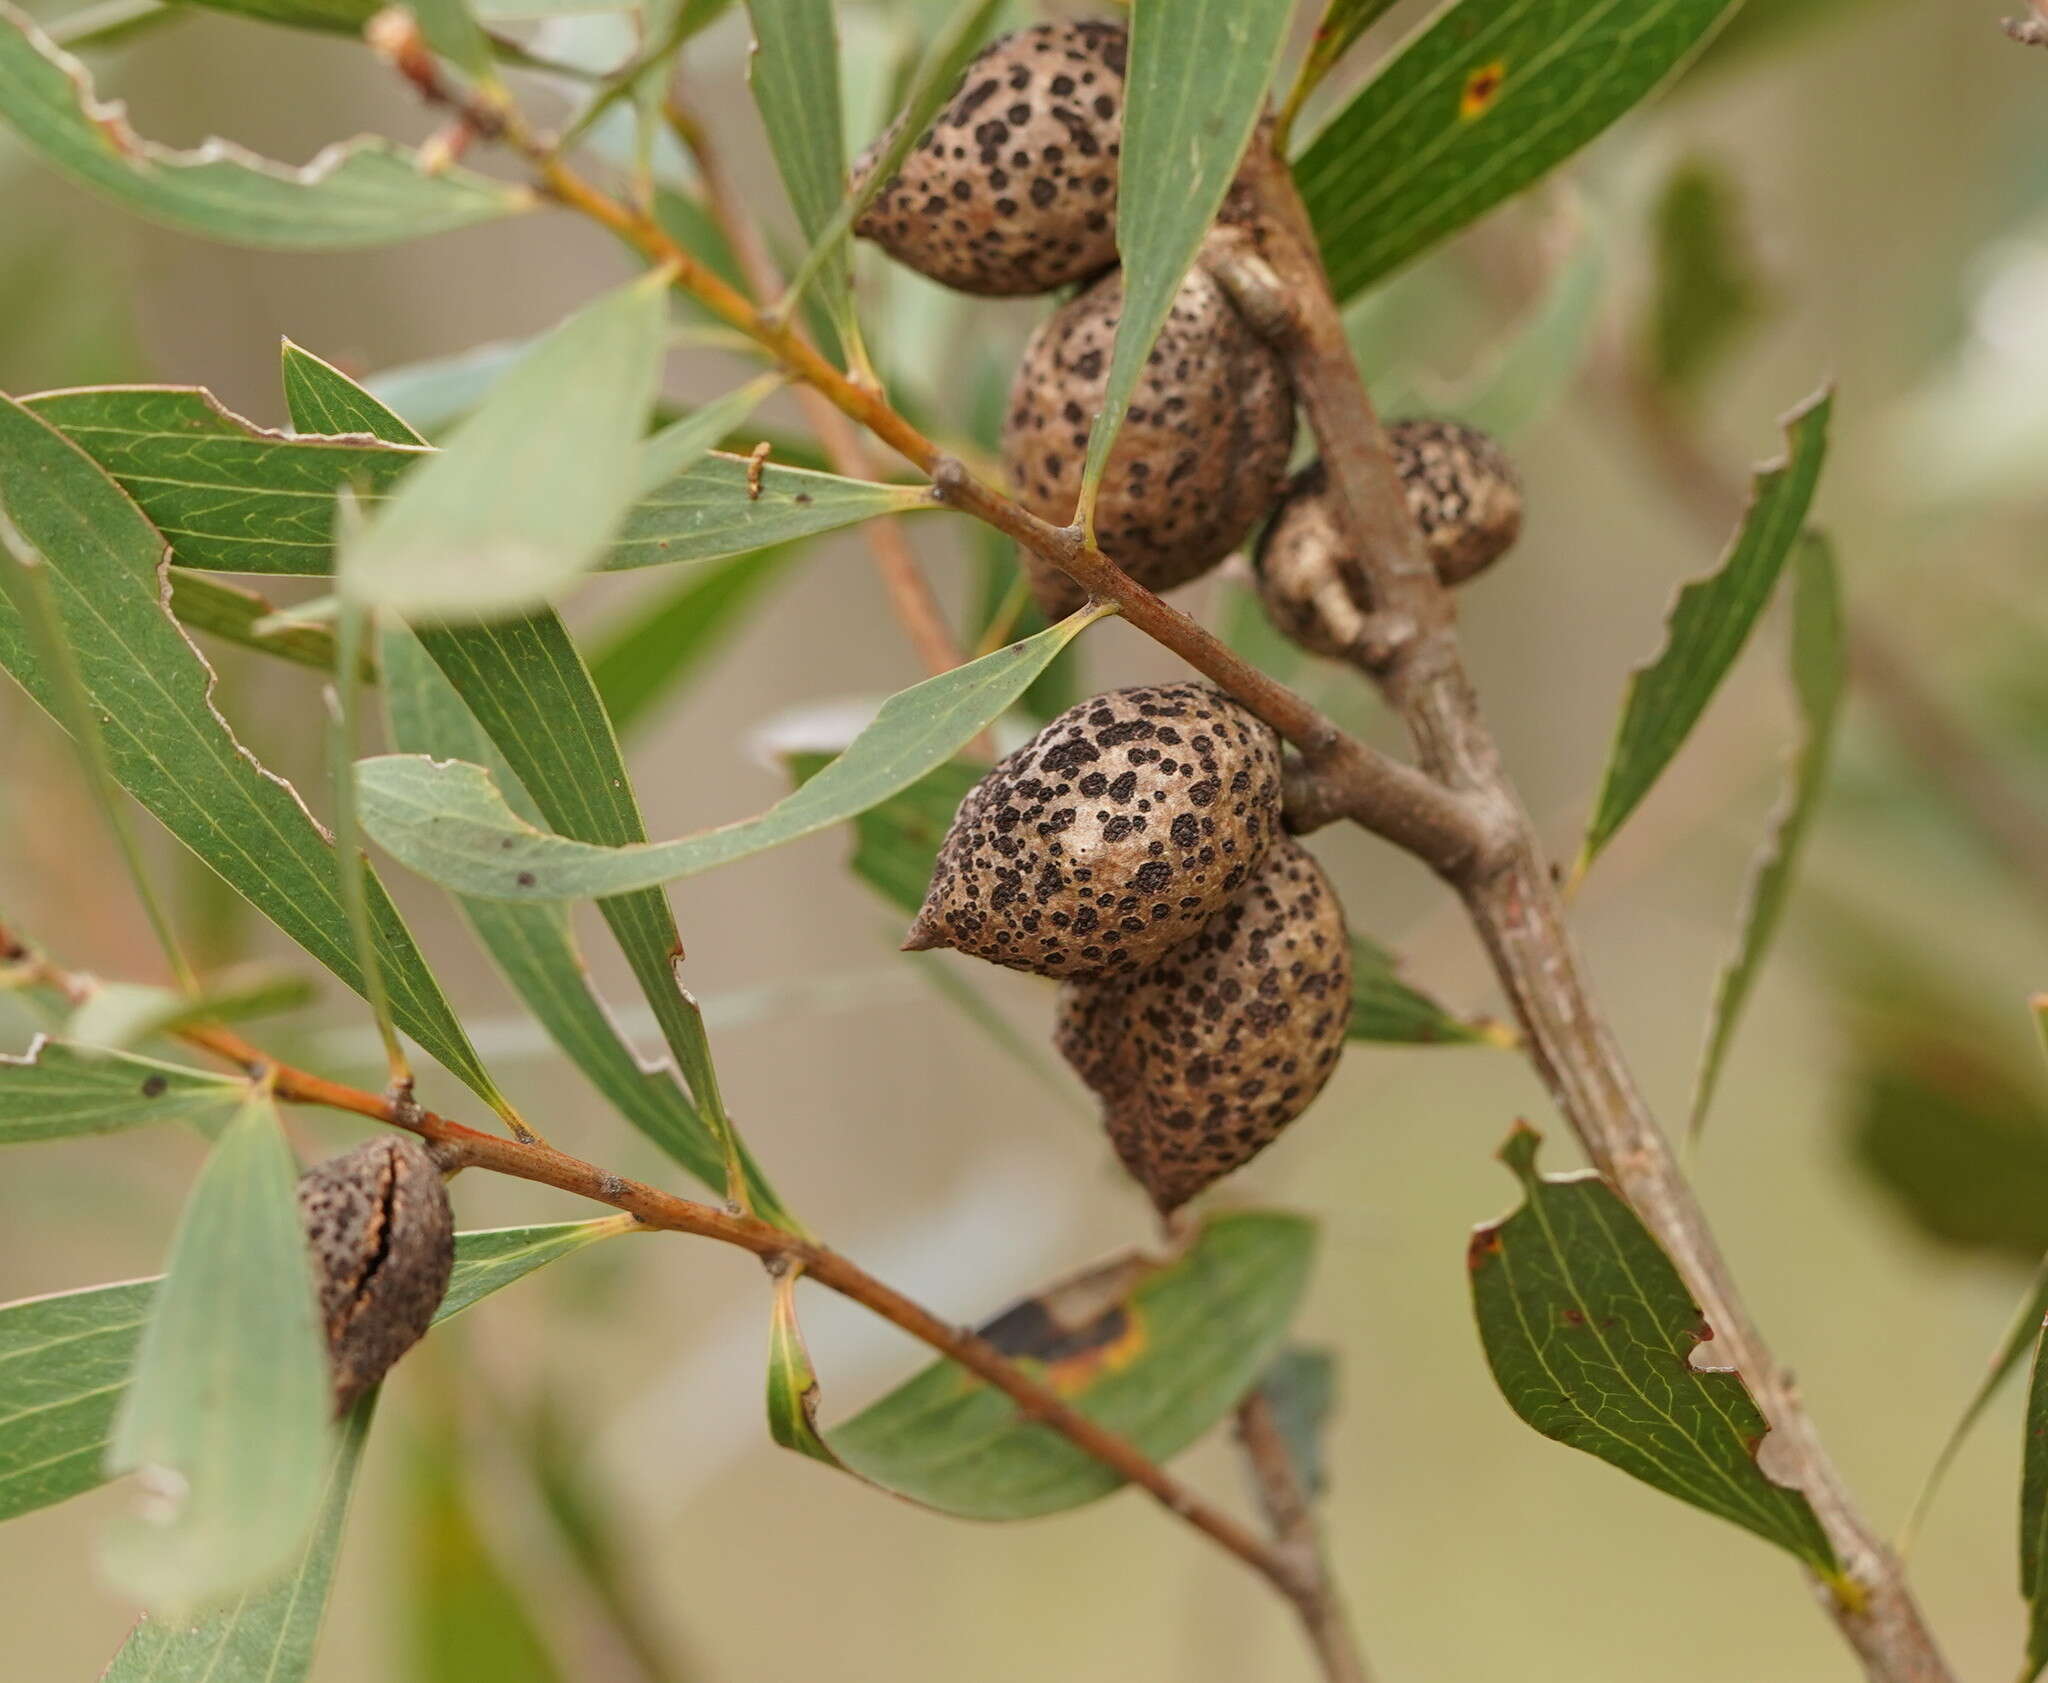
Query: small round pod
[[382, 1235], [1204, 1056], [1110, 836], [1202, 454], [1462, 491], [1013, 188]]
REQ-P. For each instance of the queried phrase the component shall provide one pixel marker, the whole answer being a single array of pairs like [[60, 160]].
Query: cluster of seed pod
[[1134, 850]]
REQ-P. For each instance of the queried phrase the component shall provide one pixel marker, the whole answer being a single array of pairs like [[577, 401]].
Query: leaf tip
[[1519, 1150]]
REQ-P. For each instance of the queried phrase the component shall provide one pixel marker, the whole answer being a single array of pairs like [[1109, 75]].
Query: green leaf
[[531, 488], [65, 1360], [340, 17], [1707, 292], [234, 615], [680, 445], [535, 946], [1590, 1333], [168, 746], [367, 192], [116, 1015], [230, 497], [268, 1633], [449, 823], [1707, 628], [661, 645], [1158, 1354], [463, 1620], [1491, 96], [896, 841], [1301, 1389], [59, 1090], [933, 82], [226, 1413], [2034, 1517], [1820, 668], [453, 33], [1342, 22], [323, 400], [794, 74], [1383, 1007], [1194, 87]]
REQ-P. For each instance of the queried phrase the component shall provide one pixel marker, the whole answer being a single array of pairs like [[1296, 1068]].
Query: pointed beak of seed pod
[[925, 934]]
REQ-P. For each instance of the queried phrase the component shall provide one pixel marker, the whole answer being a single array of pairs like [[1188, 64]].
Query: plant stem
[[1291, 1514], [1514, 904], [465, 1147]]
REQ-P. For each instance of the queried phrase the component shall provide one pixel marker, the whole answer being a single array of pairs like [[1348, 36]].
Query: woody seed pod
[[1462, 491], [1013, 189], [383, 1241], [1202, 454], [1111, 835], [1203, 1057]]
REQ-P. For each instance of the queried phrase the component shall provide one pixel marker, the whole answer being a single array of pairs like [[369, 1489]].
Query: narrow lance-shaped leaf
[[241, 616], [453, 33], [323, 400], [794, 72], [1590, 1333], [367, 192], [1337, 32], [167, 744], [1193, 90], [448, 823], [524, 683], [268, 1633], [58, 1090], [1707, 628], [1819, 670], [65, 1360], [116, 1015], [230, 497], [536, 948], [1157, 1353], [931, 84], [1383, 1007], [2034, 1516], [1488, 98], [532, 487], [226, 1415]]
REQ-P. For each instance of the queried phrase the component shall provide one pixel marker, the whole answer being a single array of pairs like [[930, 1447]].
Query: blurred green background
[[1863, 185]]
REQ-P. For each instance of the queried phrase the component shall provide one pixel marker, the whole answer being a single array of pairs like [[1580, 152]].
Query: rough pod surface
[[1203, 451], [1111, 835], [1013, 189], [1204, 1056], [383, 1241], [1462, 491]]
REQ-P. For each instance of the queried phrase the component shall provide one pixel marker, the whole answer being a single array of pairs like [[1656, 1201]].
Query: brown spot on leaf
[[1482, 87]]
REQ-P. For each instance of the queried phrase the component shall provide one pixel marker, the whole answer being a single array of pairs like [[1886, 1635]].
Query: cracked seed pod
[[383, 1241], [1202, 454], [1111, 835], [1202, 1058], [1013, 189], [1463, 493]]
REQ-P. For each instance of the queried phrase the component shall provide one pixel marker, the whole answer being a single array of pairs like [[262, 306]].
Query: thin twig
[[1515, 906], [465, 1147], [1291, 1515]]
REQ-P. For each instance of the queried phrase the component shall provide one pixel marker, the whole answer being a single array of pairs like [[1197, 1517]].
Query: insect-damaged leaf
[[1708, 626], [450, 824], [65, 1359], [1486, 99], [1158, 1354], [367, 192], [1590, 1333], [230, 497]]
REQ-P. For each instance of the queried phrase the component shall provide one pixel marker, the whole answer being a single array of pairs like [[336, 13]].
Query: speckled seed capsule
[[1013, 189], [383, 1241], [1202, 1058], [1203, 450], [1111, 835], [1463, 493]]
